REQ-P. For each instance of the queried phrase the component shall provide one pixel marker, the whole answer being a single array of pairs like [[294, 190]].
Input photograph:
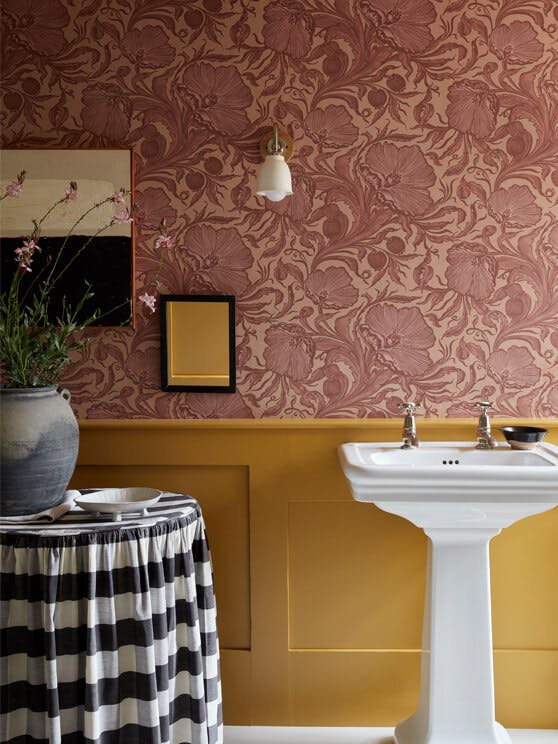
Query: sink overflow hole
[[450, 462]]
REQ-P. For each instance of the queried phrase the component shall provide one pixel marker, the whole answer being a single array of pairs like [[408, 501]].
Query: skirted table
[[108, 630]]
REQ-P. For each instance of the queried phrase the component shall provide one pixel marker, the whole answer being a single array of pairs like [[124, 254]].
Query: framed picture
[[107, 263], [198, 343]]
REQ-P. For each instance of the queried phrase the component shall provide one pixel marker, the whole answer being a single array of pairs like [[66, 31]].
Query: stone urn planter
[[38, 448]]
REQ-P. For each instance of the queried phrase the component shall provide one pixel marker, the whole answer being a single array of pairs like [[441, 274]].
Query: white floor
[[342, 735]]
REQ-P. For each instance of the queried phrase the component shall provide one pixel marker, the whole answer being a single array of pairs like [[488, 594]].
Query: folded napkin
[[47, 515]]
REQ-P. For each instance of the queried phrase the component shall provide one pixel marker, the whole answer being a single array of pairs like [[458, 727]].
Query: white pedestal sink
[[461, 497]]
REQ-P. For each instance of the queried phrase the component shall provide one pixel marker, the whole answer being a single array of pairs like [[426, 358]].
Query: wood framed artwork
[[198, 343], [107, 263]]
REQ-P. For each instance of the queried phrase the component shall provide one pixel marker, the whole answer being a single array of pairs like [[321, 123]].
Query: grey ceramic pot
[[38, 448]]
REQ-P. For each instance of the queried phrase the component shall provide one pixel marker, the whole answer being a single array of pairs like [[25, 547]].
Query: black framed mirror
[[198, 343]]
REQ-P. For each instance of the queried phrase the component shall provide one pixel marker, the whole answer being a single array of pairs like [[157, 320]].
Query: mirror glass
[[198, 343]]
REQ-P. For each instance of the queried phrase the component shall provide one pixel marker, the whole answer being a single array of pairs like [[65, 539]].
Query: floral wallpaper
[[418, 258]]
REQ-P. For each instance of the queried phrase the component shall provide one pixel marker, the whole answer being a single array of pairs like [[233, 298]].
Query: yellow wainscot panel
[[356, 577], [236, 681], [524, 575], [353, 689], [526, 688]]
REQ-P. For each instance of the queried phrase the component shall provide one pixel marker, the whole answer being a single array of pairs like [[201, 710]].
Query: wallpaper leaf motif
[[419, 255]]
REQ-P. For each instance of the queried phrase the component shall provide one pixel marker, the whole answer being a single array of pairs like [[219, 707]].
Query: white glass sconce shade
[[274, 180]]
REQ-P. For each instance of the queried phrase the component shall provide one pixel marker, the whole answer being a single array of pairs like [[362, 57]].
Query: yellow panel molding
[[319, 598]]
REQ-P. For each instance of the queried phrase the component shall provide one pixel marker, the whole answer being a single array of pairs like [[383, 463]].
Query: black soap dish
[[523, 437]]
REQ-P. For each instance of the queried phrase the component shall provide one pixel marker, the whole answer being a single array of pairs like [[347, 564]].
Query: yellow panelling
[[236, 675], [525, 687], [524, 561], [348, 689], [335, 552], [320, 598]]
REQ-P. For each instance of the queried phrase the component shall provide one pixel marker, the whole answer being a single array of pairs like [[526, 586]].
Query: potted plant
[[40, 435]]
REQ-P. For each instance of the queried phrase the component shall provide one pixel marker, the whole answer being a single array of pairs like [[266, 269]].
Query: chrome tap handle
[[410, 438], [484, 420], [410, 407], [484, 430]]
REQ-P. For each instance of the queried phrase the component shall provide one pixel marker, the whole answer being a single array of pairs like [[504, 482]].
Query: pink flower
[[121, 217], [290, 351], [118, 197], [37, 24], [106, 111], [288, 28], [218, 97], [220, 257], [14, 188], [71, 192], [516, 43], [471, 270], [331, 288], [400, 176], [330, 127], [163, 242], [472, 108], [149, 301], [24, 254], [514, 207], [403, 23], [148, 47], [400, 338], [514, 367]]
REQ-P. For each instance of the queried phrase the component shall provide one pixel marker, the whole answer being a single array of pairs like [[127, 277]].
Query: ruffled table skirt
[[108, 633]]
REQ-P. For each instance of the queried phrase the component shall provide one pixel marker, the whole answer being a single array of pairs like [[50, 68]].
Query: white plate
[[118, 501]]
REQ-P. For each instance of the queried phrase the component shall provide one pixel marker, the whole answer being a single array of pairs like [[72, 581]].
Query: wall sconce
[[274, 180]]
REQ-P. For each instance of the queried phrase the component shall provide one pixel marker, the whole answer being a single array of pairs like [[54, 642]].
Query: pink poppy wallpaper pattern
[[418, 258]]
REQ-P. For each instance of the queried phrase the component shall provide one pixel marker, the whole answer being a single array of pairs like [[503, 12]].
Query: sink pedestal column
[[457, 679]]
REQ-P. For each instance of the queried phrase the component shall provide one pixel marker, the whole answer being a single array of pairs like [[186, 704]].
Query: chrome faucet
[[410, 438], [485, 440]]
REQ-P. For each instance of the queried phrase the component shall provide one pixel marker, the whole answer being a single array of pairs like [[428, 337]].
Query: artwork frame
[[198, 343], [108, 262]]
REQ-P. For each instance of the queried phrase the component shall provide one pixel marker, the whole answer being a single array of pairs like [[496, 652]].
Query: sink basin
[[448, 483], [433, 455], [462, 497]]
